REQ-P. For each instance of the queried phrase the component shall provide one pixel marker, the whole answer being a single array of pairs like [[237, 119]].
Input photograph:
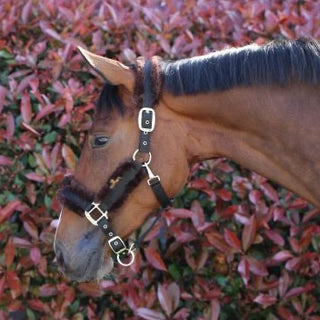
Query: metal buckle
[[146, 127], [150, 179], [134, 156], [130, 252], [124, 251], [94, 207], [151, 175], [114, 241]]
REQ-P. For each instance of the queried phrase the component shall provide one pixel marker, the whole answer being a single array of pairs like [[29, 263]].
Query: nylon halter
[[96, 207]]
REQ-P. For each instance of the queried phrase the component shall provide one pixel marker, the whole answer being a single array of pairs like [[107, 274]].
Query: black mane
[[278, 62], [109, 99]]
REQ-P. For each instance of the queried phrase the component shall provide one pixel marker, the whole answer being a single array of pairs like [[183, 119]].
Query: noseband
[[96, 206]]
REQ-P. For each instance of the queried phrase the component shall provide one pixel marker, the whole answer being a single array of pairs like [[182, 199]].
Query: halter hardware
[[95, 206], [151, 176], [146, 119]]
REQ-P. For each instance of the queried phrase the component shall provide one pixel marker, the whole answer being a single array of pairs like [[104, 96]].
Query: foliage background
[[236, 246]]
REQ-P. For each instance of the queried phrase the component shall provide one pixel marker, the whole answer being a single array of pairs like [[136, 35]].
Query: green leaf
[[30, 314], [50, 137], [47, 201], [174, 271], [31, 161], [5, 54]]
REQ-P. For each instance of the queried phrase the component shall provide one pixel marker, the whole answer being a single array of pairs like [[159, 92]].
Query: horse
[[256, 105]]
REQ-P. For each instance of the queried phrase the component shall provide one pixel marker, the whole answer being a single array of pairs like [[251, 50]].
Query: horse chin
[[105, 268]]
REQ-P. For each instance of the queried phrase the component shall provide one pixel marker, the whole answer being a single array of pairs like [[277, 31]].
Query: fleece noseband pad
[[112, 195]]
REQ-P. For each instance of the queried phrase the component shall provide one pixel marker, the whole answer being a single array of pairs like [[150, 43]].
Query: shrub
[[235, 245]]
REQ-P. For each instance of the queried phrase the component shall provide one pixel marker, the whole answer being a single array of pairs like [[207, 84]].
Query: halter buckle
[[119, 248], [95, 206], [146, 119]]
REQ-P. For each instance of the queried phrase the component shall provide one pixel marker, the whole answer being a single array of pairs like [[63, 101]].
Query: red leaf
[[14, 284], [265, 300], [154, 259], [169, 297], [249, 233], [149, 314], [35, 177], [38, 305], [31, 228], [91, 289], [10, 124], [269, 191], [310, 215], [48, 290], [21, 243], [25, 108], [199, 184], [181, 213], [9, 252], [257, 267], [282, 256], [45, 111], [224, 194], [214, 309], [217, 240], [7, 211], [197, 217], [26, 11], [285, 313], [5, 161], [45, 26], [232, 240], [31, 192], [272, 20], [68, 156], [255, 196], [275, 237], [243, 269], [2, 285], [284, 283], [295, 292], [293, 264], [3, 93], [35, 255]]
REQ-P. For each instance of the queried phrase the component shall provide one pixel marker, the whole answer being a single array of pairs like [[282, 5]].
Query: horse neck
[[264, 129]]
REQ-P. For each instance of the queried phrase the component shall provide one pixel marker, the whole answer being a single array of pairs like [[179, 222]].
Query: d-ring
[[144, 162], [129, 263]]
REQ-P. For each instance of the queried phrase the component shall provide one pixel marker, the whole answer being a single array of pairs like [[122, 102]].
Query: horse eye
[[99, 141]]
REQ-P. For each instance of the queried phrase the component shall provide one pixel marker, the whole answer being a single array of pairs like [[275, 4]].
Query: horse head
[[114, 166]]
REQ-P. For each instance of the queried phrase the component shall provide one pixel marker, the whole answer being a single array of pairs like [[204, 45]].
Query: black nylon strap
[[159, 192], [119, 189], [147, 84], [144, 142], [117, 244]]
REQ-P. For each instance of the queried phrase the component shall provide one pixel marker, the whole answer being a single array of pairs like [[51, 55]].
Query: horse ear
[[114, 71]]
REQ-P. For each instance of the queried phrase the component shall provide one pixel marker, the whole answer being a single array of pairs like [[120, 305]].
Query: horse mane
[[277, 62]]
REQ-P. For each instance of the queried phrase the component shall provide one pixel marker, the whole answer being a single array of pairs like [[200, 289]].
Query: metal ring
[[126, 264], [145, 162]]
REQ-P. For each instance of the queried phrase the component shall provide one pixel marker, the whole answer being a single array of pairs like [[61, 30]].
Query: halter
[[96, 207]]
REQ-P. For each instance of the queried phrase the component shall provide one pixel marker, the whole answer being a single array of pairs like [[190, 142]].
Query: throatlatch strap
[[159, 192]]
